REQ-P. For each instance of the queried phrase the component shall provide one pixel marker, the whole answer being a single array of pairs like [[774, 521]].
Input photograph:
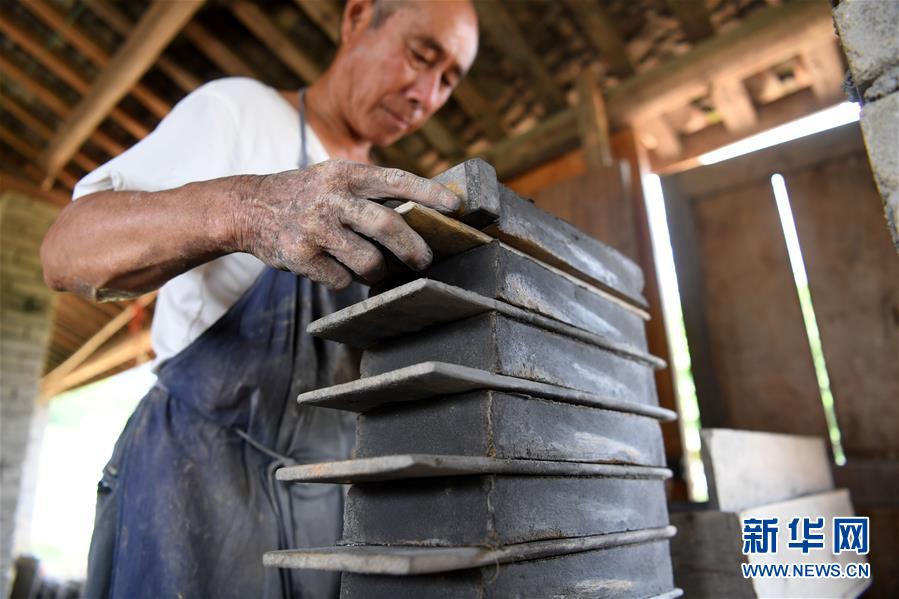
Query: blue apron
[[188, 504]]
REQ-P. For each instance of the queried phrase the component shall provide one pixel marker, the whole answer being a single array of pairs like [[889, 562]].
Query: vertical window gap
[[685, 390], [800, 278]]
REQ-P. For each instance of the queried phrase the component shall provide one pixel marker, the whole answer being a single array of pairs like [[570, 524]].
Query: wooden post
[[626, 146], [593, 123]]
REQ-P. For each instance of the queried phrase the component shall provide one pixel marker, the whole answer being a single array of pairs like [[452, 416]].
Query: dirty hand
[[312, 221]]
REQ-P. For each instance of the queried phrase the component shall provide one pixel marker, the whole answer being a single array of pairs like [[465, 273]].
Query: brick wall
[[26, 314]]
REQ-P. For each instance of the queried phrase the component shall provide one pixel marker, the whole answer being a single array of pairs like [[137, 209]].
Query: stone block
[[429, 381], [423, 303], [500, 272], [640, 570], [537, 233], [500, 510], [407, 560], [880, 126], [746, 469], [475, 182], [707, 552], [869, 33], [503, 346], [501, 425], [413, 466]]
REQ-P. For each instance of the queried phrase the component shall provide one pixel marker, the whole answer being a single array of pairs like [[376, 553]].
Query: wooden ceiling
[[82, 81]]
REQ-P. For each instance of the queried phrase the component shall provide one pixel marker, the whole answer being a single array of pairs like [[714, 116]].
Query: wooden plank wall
[[853, 275], [749, 348], [750, 352]]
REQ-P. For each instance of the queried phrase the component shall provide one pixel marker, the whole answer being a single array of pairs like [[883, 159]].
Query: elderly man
[[221, 206]]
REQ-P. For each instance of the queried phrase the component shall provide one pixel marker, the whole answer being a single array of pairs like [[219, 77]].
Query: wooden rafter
[[732, 101], [47, 97], [43, 131], [123, 26], [157, 27], [128, 349], [325, 14], [60, 68], [30, 153], [97, 55], [52, 380], [506, 35], [218, 52], [597, 25], [267, 32], [477, 107], [693, 17]]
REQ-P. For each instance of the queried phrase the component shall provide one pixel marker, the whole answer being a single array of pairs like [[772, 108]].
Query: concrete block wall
[[26, 315], [869, 33]]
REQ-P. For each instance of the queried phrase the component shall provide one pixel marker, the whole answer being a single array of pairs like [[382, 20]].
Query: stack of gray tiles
[[508, 440]]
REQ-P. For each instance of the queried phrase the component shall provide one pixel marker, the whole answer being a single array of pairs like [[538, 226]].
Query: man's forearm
[[317, 222], [116, 244]]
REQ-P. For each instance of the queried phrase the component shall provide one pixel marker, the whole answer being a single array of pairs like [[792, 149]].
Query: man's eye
[[445, 82], [419, 58]]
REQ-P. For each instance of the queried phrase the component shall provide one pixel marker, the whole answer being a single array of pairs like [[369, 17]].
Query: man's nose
[[424, 93]]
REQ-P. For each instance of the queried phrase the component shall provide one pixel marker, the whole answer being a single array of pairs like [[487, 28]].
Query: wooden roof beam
[[325, 14], [767, 38], [825, 66], [770, 37], [43, 131], [597, 25], [593, 123], [122, 25], [218, 52], [273, 38], [128, 349], [662, 138], [732, 101], [776, 113], [155, 30], [97, 55], [36, 48], [31, 153], [506, 35], [47, 97], [693, 17], [106, 332]]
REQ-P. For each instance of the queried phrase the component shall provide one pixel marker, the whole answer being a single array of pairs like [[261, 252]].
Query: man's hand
[[314, 221]]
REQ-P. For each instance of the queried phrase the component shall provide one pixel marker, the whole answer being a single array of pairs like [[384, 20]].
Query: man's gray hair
[[383, 9]]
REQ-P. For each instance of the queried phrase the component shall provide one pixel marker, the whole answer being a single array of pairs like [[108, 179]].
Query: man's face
[[396, 75]]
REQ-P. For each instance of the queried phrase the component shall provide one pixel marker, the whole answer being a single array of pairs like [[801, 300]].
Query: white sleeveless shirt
[[233, 126]]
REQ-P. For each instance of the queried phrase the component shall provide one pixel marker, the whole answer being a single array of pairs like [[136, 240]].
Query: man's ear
[[356, 18]]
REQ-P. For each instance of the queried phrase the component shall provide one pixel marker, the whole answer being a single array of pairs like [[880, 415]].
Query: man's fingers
[[389, 229], [375, 182], [357, 254], [326, 270]]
